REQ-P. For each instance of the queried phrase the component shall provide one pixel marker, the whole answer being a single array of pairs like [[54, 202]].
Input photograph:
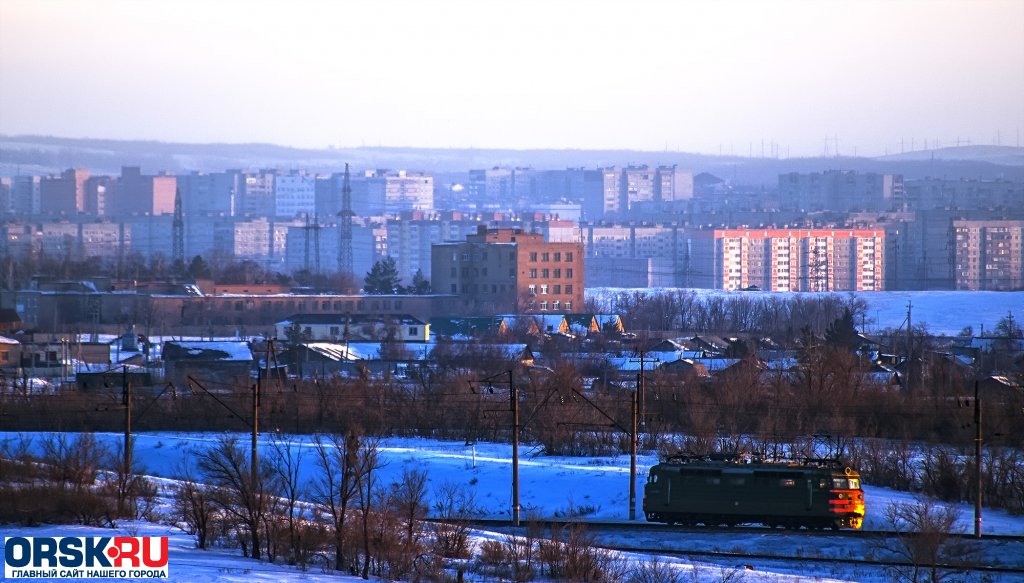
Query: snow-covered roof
[[6, 340], [207, 350]]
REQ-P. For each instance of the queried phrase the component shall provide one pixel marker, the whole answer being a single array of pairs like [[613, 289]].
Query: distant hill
[[46, 155], [1003, 155]]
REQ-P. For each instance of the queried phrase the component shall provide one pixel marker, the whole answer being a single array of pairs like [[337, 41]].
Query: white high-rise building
[[294, 195]]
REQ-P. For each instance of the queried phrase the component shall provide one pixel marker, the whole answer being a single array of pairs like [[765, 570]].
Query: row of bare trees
[[341, 516], [61, 477], [778, 316]]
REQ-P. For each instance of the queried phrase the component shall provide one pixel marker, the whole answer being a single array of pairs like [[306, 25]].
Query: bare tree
[[924, 541], [285, 461], [226, 467], [340, 463], [194, 507], [453, 505]]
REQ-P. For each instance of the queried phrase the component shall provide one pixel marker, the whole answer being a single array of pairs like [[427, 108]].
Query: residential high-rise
[[989, 255], [294, 195], [64, 194], [140, 194], [787, 260], [841, 191]]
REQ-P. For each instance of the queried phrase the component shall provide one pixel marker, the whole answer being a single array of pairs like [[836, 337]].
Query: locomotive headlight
[[842, 496]]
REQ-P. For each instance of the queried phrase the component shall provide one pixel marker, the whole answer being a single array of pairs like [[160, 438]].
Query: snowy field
[[944, 312], [549, 487]]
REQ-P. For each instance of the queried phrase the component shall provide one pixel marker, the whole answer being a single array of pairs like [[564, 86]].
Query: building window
[[568, 306], [533, 274], [544, 289], [511, 272], [325, 306], [454, 289], [414, 330], [554, 305], [568, 289], [533, 256], [335, 331], [558, 256], [568, 255], [465, 256], [558, 273], [533, 290], [557, 289], [545, 257], [568, 273], [545, 273], [543, 306]]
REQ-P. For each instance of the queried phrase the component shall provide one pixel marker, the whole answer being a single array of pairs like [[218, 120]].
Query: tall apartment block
[[989, 255], [626, 188], [64, 194], [294, 195], [214, 193], [789, 260], [841, 190], [509, 271], [140, 194]]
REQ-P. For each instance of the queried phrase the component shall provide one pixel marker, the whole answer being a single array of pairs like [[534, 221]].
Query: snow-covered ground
[[549, 486]]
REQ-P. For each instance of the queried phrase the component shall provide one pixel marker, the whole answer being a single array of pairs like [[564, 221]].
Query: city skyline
[[779, 78]]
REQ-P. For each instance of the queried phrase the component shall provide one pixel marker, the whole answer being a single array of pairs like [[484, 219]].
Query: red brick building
[[509, 271]]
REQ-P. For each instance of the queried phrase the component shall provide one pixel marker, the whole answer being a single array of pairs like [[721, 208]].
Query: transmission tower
[[312, 232], [178, 234], [345, 238]]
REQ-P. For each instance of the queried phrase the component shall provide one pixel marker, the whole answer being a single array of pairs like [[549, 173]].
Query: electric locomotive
[[727, 489]]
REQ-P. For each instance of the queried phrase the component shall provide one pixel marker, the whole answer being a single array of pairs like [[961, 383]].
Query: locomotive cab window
[[787, 482], [846, 484]]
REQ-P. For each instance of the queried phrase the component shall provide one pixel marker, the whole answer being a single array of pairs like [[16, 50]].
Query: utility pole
[[514, 395], [641, 385], [910, 349], [632, 462], [126, 398], [977, 461], [254, 456]]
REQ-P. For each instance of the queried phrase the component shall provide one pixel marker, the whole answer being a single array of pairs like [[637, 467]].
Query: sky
[[787, 78]]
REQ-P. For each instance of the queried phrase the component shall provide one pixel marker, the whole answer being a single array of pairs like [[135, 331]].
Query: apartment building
[[841, 190], [140, 194], [294, 195], [989, 255], [510, 271], [63, 194], [788, 260]]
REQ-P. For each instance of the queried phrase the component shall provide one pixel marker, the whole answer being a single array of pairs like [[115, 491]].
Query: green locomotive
[[725, 489]]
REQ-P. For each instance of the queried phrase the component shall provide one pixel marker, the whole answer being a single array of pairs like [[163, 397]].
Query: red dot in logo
[[112, 552]]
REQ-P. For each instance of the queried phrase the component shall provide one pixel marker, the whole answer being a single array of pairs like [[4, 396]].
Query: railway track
[[718, 545], [639, 526], [802, 559]]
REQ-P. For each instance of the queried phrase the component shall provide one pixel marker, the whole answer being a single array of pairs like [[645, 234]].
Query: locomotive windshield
[[846, 483]]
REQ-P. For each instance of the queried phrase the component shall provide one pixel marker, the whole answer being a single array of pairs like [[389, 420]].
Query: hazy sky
[[696, 76]]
